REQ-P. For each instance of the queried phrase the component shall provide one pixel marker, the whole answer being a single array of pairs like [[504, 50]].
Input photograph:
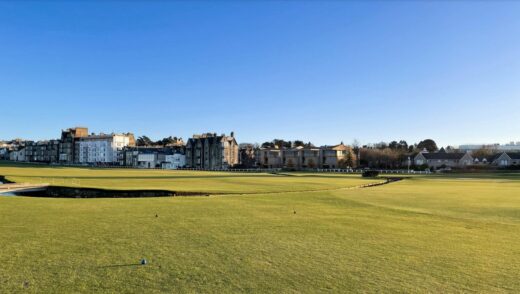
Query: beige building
[[209, 151], [338, 156]]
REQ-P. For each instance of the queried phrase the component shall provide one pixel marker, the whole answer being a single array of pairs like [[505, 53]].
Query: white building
[[507, 159], [17, 155], [174, 161], [4, 153], [148, 160], [511, 147], [103, 148]]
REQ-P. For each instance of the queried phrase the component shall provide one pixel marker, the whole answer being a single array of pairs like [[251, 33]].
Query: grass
[[191, 181], [425, 234]]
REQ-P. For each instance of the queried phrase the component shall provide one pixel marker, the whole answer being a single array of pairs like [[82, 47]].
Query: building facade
[[327, 157], [171, 157], [174, 161], [42, 151], [209, 151], [67, 149], [507, 159], [106, 149], [444, 159], [17, 154]]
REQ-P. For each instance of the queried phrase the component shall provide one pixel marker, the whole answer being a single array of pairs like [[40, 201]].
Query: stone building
[[337, 156], [67, 150], [42, 151], [209, 151]]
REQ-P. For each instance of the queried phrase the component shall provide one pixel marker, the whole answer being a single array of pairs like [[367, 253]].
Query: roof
[[153, 150], [513, 155], [489, 158], [340, 147], [101, 136], [443, 155]]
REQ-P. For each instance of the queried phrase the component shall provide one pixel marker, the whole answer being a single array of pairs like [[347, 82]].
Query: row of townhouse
[[464, 159], [204, 151], [77, 146], [338, 156]]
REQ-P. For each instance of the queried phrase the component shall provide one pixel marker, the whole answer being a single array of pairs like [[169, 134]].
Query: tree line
[[145, 141], [396, 154], [280, 143]]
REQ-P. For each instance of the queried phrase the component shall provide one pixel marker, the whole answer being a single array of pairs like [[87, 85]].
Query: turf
[[191, 181], [425, 234]]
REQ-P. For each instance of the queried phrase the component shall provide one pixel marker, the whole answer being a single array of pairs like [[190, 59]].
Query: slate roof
[[443, 155], [488, 159], [513, 155]]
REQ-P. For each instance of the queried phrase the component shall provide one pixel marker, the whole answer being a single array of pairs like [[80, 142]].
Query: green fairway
[[192, 181], [424, 234]]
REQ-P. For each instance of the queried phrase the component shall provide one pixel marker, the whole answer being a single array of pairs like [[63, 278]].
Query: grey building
[[209, 151], [67, 150], [507, 159], [444, 159], [42, 151]]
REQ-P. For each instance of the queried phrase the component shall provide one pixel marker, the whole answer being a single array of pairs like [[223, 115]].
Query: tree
[[310, 163], [482, 153], [393, 145], [267, 145], [429, 144], [350, 159], [144, 141], [168, 141], [401, 145], [290, 163], [298, 143], [282, 144], [381, 145]]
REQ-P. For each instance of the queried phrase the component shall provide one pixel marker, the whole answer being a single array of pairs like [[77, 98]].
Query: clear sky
[[323, 72]]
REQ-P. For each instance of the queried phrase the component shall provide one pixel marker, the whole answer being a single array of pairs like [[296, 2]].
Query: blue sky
[[319, 71]]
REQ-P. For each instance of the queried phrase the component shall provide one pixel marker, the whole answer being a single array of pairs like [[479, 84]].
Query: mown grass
[[191, 181], [431, 234]]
